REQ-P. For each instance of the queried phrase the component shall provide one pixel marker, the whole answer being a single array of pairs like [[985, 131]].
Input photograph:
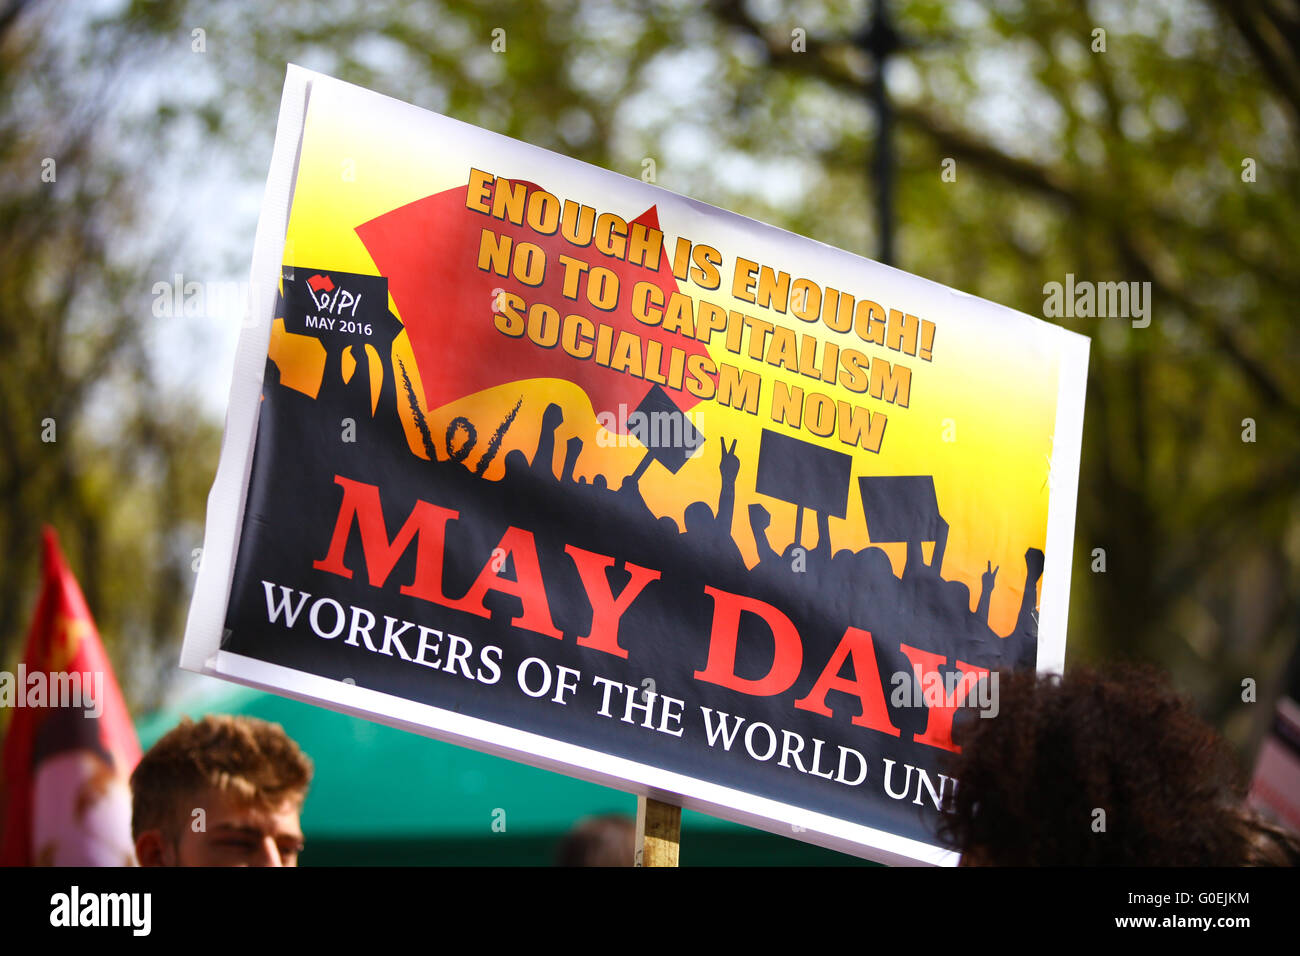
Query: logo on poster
[[331, 298]]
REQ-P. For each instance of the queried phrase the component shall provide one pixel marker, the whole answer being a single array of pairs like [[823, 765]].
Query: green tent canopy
[[382, 796]]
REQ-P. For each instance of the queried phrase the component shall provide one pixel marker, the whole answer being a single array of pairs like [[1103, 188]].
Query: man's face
[[231, 833]]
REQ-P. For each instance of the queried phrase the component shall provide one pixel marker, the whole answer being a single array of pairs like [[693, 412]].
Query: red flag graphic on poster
[[65, 798], [429, 248]]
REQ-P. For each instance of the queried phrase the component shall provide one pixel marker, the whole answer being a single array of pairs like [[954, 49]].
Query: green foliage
[[124, 478]]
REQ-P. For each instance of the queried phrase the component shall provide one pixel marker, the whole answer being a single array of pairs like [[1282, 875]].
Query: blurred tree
[[91, 443], [1117, 155]]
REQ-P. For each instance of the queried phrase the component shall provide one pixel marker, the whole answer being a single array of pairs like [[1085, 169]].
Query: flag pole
[[658, 832]]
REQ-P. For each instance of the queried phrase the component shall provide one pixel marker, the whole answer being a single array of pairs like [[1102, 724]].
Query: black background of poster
[[293, 503]]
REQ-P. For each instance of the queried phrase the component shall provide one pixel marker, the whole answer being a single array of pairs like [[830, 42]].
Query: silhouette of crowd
[[812, 585]]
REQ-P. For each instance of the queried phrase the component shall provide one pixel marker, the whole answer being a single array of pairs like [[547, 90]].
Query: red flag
[[65, 798]]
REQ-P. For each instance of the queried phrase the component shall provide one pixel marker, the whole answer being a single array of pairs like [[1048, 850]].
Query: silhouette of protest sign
[[804, 474], [346, 312], [665, 430], [341, 308], [904, 508]]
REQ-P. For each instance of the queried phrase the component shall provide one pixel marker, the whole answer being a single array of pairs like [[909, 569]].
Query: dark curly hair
[[1030, 782]]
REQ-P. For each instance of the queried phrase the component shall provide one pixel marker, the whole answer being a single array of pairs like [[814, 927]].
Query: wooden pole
[[658, 832]]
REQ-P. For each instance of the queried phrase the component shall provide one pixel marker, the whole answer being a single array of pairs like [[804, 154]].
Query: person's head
[[699, 518], [225, 791], [1094, 768], [599, 841]]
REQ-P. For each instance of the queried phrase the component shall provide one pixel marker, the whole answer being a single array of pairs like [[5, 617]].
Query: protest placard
[[516, 452]]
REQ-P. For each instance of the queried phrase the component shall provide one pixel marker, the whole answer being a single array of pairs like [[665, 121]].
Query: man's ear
[[152, 850]]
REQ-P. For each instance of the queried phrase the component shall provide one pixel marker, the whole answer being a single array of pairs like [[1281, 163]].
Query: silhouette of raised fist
[[553, 417]]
